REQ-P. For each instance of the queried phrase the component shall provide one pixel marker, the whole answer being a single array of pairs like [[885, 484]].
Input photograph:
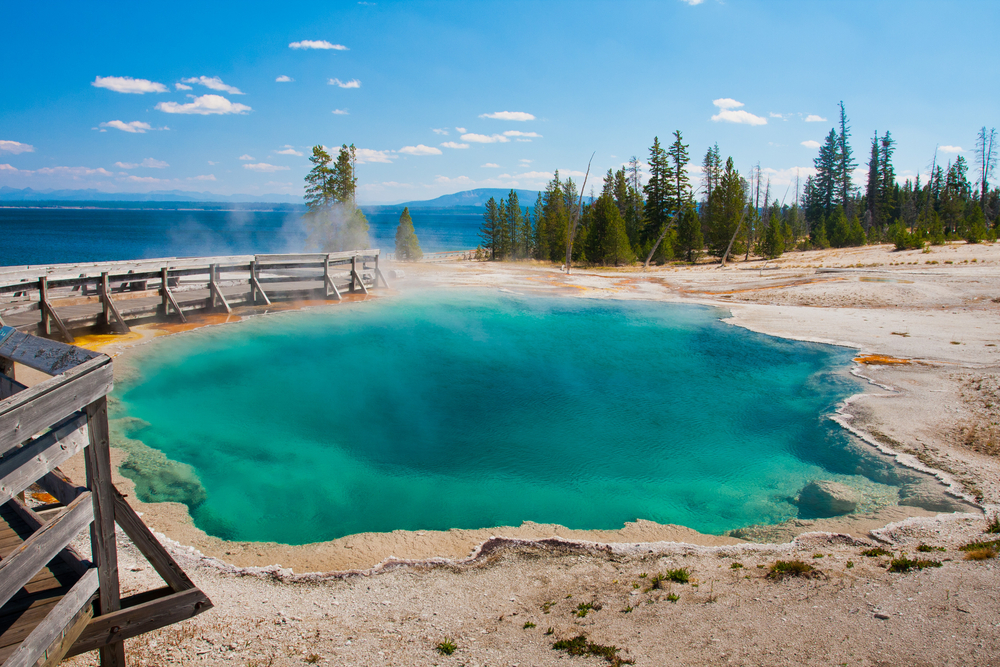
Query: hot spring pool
[[471, 409]]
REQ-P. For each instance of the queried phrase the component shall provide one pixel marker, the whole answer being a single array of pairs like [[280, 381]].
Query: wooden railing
[[108, 295], [40, 428]]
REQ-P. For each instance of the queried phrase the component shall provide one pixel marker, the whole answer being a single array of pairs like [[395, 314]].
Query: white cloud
[[420, 149], [181, 86], [135, 127], [7, 167], [950, 149], [526, 160], [204, 106], [460, 130], [75, 172], [353, 83], [367, 155], [811, 143], [727, 103], [440, 131], [214, 83], [787, 177], [212, 163], [150, 163], [126, 84], [525, 141], [284, 78], [340, 112], [543, 175], [485, 138], [458, 180], [489, 165], [693, 2], [264, 167], [144, 179], [813, 118], [454, 144], [516, 133], [508, 115], [321, 44], [247, 157], [15, 147], [728, 115], [288, 150], [777, 115], [203, 177]]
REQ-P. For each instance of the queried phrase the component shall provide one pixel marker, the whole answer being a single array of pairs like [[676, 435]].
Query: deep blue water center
[[470, 409]]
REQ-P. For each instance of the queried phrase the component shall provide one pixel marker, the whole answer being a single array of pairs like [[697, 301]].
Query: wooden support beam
[[60, 486], [113, 319], [213, 286], [49, 642], [328, 284], [141, 618], [378, 272], [146, 542], [69, 555], [102, 531], [255, 287], [29, 412], [22, 564], [168, 296], [354, 271]]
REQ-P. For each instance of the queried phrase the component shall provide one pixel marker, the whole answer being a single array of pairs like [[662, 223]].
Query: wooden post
[[104, 550], [377, 273], [211, 286], [326, 275], [164, 299], [253, 287], [43, 297], [354, 271], [105, 289]]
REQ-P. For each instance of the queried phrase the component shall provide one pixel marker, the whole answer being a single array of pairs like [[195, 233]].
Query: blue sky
[[422, 89]]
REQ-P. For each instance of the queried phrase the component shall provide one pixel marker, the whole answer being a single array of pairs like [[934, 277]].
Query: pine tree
[[729, 198], [407, 245], [826, 180], [690, 241], [503, 233], [659, 191], [679, 159], [888, 189], [874, 185], [334, 221], [845, 163], [489, 231]]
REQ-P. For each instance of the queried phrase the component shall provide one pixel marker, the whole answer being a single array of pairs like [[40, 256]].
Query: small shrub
[[926, 548], [585, 608], [447, 647], [673, 597], [981, 548], [528, 625], [850, 564], [643, 575], [875, 552], [817, 555], [904, 564], [736, 566], [579, 646], [546, 606], [993, 525], [985, 553], [550, 631], [680, 575], [313, 658], [628, 609], [657, 582], [791, 568]]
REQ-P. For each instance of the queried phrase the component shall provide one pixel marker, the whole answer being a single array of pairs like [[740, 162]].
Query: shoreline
[[365, 551]]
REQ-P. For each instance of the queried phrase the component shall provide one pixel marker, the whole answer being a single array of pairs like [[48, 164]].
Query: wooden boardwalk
[[54, 602], [60, 299]]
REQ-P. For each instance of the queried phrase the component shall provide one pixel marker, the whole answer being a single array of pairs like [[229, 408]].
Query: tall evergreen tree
[[490, 230], [334, 221], [407, 245], [827, 179], [659, 192], [729, 198], [679, 160], [690, 241], [888, 187], [845, 163], [874, 184]]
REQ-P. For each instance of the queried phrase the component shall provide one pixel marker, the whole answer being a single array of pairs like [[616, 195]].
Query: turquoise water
[[458, 409]]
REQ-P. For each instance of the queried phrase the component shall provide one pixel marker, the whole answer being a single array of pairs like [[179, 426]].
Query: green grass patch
[[528, 625], [585, 608], [791, 568], [680, 575], [447, 647], [904, 564], [993, 525], [926, 548], [673, 597], [580, 646], [875, 552], [985, 544], [736, 566]]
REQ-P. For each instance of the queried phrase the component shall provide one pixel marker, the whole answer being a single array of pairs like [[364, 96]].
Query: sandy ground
[[933, 402]]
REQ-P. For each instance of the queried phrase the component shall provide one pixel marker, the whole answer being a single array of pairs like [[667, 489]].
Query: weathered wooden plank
[[104, 549], [356, 278], [255, 287], [19, 309], [168, 296], [146, 542], [94, 269], [24, 466], [146, 617], [69, 556], [52, 638], [112, 316], [28, 412], [53, 316], [23, 563], [60, 487], [41, 354], [216, 293]]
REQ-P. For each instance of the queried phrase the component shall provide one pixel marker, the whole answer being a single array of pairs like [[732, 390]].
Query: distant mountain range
[[30, 195], [468, 199]]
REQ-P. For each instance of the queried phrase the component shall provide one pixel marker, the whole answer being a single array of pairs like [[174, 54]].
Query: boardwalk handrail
[[76, 296], [40, 428]]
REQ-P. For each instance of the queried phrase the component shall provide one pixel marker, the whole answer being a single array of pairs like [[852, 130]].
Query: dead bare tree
[[986, 158], [575, 216]]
